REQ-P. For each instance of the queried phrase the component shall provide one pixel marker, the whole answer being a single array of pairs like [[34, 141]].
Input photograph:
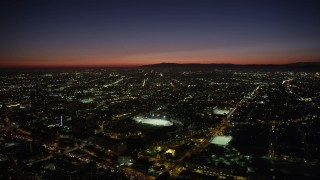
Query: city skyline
[[161, 89], [149, 123], [127, 33]]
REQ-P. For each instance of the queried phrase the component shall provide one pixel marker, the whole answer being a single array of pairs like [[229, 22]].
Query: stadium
[[155, 121]]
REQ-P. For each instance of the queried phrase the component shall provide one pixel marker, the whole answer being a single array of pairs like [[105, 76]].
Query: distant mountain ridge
[[291, 66]]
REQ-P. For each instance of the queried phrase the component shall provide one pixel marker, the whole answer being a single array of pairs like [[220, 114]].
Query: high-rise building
[[36, 100], [83, 126]]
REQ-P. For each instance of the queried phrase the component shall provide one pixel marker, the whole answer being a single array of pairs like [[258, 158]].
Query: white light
[[155, 122], [221, 140], [61, 121]]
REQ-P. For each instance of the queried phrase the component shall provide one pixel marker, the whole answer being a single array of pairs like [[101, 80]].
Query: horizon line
[[141, 65]]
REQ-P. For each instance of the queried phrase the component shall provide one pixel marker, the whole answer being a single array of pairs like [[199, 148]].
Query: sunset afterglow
[[133, 33]]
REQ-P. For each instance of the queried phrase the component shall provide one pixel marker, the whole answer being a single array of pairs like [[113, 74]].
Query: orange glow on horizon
[[146, 59]]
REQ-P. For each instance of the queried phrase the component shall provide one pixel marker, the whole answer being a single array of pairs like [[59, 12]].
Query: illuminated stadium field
[[221, 140], [153, 121]]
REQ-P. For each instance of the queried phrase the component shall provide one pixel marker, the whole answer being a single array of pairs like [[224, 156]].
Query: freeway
[[58, 152]]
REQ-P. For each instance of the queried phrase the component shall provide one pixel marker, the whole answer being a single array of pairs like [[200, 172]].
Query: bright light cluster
[[221, 140], [153, 121]]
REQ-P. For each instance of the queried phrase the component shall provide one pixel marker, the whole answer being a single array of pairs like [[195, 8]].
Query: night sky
[[133, 32]]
